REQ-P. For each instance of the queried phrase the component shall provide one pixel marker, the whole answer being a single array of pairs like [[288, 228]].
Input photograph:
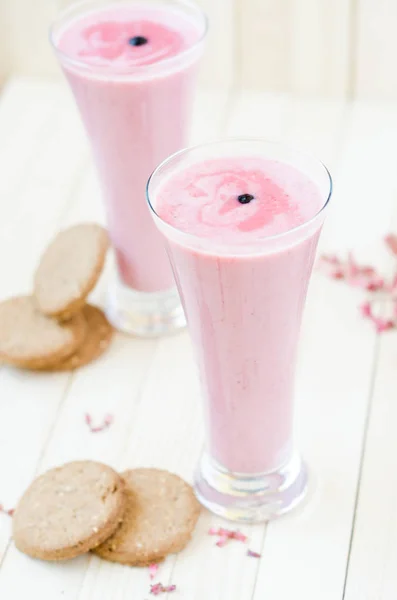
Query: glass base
[[250, 498], [144, 314]]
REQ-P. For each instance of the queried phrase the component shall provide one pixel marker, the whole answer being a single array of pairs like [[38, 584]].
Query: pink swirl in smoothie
[[132, 36], [204, 200]]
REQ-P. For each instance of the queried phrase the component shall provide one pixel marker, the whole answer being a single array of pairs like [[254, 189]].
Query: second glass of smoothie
[[132, 67], [241, 220]]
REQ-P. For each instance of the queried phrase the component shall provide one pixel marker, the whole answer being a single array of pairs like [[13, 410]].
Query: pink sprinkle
[[108, 420], [7, 511], [153, 571], [253, 554], [366, 310], [384, 325], [237, 535], [225, 535], [332, 266], [330, 259], [363, 276], [352, 266], [158, 589], [222, 541], [381, 325], [376, 284], [367, 278]]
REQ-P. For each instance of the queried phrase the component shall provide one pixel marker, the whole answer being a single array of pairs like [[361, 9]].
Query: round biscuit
[[96, 342], [160, 516], [31, 340], [69, 269], [69, 510]]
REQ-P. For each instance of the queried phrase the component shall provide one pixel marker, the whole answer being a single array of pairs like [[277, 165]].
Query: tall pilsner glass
[[241, 220], [132, 67]]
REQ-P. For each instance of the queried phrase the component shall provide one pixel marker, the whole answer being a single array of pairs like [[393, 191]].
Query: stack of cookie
[[136, 518], [54, 329]]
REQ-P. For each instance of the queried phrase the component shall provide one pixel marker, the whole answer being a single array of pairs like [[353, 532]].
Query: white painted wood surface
[[298, 46], [328, 48], [375, 48], [24, 25], [342, 544]]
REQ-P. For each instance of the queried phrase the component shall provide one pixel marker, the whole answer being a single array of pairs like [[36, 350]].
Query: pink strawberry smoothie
[[132, 68], [243, 287]]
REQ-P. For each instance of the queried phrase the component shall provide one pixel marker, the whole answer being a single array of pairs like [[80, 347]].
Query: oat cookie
[[30, 339], [97, 340], [69, 510], [69, 269], [159, 519]]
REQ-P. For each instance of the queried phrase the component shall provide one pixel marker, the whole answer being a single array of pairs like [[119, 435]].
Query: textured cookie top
[[29, 338], [69, 510], [70, 268], [160, 516]]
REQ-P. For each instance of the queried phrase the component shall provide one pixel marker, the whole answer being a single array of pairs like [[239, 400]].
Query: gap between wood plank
[[352, 53], [362, 458]]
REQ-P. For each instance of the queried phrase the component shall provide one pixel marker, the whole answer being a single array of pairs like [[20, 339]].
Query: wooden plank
[[31, 118], [320, 47], [26, 25], [28, 408], [4, 47], [376, 46], [365, 181], [264, 43], [371, 568], [29, 211], [218, 66], [294, 46], [38, 188], [25, 126]]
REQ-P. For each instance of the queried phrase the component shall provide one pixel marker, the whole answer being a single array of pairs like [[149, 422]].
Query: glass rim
[[237, 140], [127, 71]]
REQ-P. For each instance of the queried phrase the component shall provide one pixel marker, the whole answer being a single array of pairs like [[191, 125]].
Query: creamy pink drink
[[242, 231], [132, 68]]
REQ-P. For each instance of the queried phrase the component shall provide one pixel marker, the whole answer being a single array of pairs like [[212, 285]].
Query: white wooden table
[[343, 543]]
